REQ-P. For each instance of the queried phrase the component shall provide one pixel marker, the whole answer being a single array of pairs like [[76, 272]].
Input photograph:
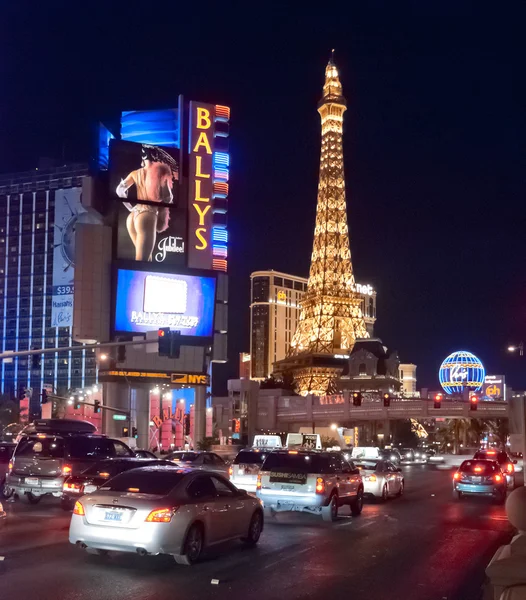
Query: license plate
[[287, 488], [476, 479], [32, 481], [112, 516]]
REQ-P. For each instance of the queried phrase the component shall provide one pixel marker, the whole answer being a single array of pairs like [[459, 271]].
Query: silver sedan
[[165, 510], [381, 479]]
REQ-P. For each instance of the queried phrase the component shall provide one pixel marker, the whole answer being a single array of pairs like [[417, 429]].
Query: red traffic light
[[161, 333], [474, 398], [438, 397]]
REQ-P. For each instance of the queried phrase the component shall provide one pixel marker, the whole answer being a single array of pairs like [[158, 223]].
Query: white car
[[381, 479]]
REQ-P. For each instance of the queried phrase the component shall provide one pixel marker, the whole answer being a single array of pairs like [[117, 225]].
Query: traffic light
[[165, 341], [76, 402], [357, 398], [96, 406], [387, 400], [175, 349], [125, 431], [438, 401], [44, 397], [134, 432], [473, 402]]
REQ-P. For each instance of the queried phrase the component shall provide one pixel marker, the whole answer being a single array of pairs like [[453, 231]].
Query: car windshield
[[297, 463], [159, 483], [478, 466], [44, 447], [249, 458], [368, 466], [83, 447], [184, 456]]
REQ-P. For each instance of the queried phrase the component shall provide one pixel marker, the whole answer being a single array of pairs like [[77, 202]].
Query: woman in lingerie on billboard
[[154, 182]]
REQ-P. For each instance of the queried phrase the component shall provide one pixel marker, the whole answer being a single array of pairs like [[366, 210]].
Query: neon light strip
[[15, 381], [220, 250], [219, 234], [221, 159], [221, 174], [6, 272], [219, 264]]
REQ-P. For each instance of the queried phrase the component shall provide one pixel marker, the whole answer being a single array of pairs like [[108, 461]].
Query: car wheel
[[5, 491], [357, 504], [401, 490], [330, 512], [254, 529], [66, 505], [457, 495], [29, 498], [193, 546], [97, 551]]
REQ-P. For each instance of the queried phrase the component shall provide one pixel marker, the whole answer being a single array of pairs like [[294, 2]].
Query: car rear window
[[158, 483], [250, 458], [87, 447], [297, 463], [45, 447], [184, 456], [478, 466], [368, 466]]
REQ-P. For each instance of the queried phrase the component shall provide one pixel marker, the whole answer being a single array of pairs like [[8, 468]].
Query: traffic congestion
[[184, 503]]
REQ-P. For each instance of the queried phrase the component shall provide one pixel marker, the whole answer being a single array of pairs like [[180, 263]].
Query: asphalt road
[[423, 546]]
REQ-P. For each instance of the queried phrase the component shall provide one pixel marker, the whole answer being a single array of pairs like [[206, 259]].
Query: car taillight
[[510, 468], [456, 476], [72, 487], [161, 515], [10, 467], [478, 469], [371, 478], [320, 485], [66, 470], [258, 484], [498, 478], [78, 509], [230, 471]]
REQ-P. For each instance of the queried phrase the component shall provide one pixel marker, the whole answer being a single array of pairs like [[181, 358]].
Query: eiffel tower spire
[[331, 318]]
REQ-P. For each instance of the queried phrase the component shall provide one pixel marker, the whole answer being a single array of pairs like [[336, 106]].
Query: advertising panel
[[165, 247], [494, 387], [147, 300], [143, 172], [201, 185], [67, 210]]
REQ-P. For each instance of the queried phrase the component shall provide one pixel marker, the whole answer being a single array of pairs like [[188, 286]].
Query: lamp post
[[519, 347]]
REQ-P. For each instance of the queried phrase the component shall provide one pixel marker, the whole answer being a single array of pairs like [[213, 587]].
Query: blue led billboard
[[146, 301]]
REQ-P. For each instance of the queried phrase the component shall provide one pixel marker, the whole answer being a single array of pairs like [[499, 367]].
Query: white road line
[[292, 555]]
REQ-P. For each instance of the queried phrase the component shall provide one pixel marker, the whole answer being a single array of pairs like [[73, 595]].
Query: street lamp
[[519, 347], [103, 356], [334, 427]]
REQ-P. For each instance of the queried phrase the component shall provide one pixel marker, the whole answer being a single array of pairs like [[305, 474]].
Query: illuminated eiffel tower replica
[[331, 319]]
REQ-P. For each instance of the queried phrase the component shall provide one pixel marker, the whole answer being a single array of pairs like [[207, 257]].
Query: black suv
[[44, 458]]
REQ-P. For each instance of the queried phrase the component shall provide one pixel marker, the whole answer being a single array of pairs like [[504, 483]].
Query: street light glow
[[103, 356], [512, 348], [334, 427]]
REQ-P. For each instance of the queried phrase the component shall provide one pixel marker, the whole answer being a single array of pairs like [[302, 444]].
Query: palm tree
[[500, 428]]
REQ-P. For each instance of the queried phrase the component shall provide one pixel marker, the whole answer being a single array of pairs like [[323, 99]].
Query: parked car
[[6, 452], [98, 474], [43, 459], [165, 510], [381, 479], [480, 477], [506, 463], [309, 481], [244, 471], [199, 460]]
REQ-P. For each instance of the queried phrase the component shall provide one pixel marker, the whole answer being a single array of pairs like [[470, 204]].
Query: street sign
[[119, 417]]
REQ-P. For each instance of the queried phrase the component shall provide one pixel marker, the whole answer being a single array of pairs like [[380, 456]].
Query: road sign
[[119, 417]]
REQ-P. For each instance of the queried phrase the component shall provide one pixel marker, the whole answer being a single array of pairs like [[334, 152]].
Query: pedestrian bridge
[[340, 409]]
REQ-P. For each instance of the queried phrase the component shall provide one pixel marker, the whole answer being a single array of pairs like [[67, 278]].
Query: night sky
[[433, 137]]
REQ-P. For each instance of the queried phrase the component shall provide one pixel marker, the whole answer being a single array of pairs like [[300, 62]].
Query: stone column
[[142, 417], [115, 395]]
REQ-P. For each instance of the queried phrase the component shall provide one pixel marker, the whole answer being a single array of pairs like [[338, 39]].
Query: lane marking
[[291, 555]]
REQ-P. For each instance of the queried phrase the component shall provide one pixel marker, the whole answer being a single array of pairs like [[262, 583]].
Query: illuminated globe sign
[[460, 371]]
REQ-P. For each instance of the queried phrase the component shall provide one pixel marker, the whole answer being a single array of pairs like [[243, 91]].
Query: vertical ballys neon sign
[[201, 185]]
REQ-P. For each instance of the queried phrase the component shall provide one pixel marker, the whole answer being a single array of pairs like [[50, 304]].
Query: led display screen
[[143, 172], [152, 234], [146, 301]]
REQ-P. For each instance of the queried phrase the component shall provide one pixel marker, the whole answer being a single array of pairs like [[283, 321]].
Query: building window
[[362, 369], [278, 281], [260, 341], [288, 283], [298, 285], [260, 289]]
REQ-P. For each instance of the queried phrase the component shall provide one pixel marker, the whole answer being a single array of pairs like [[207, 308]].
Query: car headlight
[[393, 457]]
